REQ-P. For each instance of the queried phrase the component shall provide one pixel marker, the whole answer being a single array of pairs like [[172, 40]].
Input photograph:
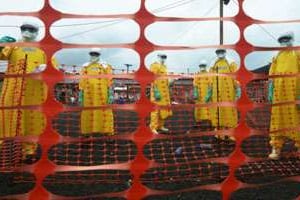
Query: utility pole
[[222, 2], [127, 67], [221, 21], [74, 69]]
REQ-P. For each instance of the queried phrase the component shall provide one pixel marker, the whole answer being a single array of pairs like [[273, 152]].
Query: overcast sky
[[108, 31], [117, 57], [97, 31], [188, 60]]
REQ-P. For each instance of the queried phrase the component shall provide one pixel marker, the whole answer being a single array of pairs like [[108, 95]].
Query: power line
[[182, 2], [83, 24], [93, 29], [172, 5], [265, 30], [268, 33], [166, 6], [65, 25], [116, 21], [101, 22], [184, 32]]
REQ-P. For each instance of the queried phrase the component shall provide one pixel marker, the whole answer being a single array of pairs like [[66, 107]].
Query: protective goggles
[[31, 29], [94, 54], [285, 39], [219, 51], [163, 56]]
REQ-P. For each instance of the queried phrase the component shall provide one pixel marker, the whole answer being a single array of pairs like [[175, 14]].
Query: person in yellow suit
[[96, 92], [201, 86], [23, 91], [224, 89], [160, 95], [284, 89]]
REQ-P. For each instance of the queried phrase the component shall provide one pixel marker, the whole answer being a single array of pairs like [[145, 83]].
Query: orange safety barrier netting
[[191, 161]]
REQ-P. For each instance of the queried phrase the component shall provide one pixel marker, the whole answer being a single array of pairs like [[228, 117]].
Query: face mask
[[202, 69], [29, 36], [161, 60], [286, 43], [94, 59], [221, 55]]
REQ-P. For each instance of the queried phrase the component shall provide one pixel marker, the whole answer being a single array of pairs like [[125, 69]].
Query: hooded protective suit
[[96, 93], [286, 89], [21, 91], [223, 90], [201, 83], [162, 86]]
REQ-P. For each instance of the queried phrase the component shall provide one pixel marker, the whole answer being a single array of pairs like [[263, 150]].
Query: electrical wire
[[101, 22], [260, 26], [83, 24], [92, 29], [193, 26], [177, 4], [171, 6], [116, 21], [182, 2]]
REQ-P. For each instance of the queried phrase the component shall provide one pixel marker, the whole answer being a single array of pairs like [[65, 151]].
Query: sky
[[116, 57], [185, 61], [98, 31], [191, 33], [112, 31], [94, 7]]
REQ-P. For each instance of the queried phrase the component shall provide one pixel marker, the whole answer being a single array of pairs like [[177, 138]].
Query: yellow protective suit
[[21, 91], [158, 117], [95, 93], [223, 91], [286, 89], [202, 83]]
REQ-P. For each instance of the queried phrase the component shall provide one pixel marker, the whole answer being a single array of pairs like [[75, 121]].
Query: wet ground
[[180, 163]]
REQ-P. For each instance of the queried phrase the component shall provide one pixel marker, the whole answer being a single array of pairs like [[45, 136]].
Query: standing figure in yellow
[[94, 92], [160, 95], [23, 91], [224, 89], [285, 119], [202, 87]]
